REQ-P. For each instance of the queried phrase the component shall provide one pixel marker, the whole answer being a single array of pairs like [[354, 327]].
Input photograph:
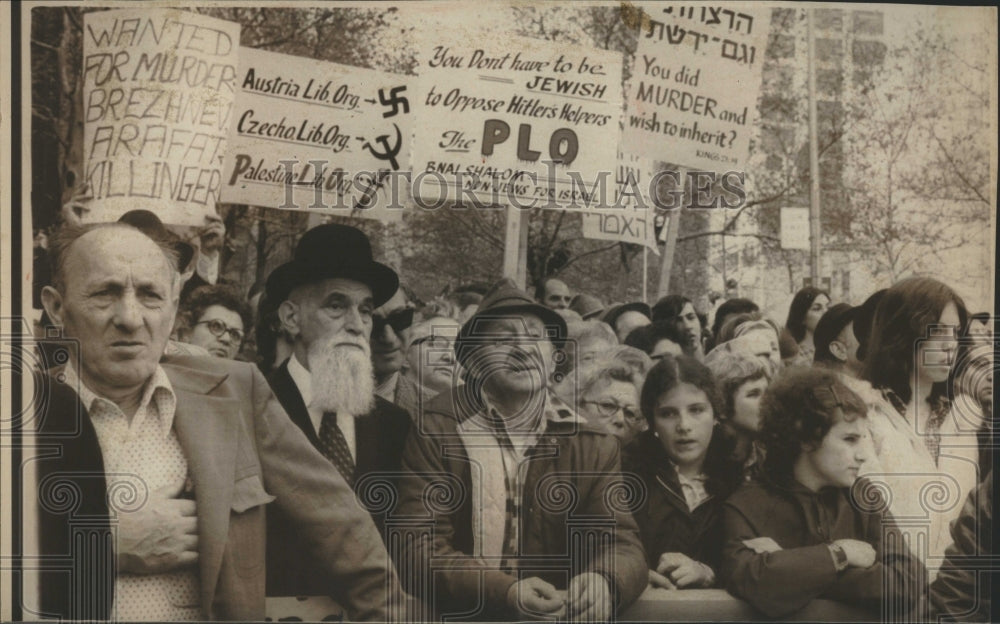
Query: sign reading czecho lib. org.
[[508, 120], [158, 89], [693, 92], [317, 136]]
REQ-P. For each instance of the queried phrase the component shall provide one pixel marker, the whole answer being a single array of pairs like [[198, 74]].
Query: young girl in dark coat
[[808, 528], [687, 472]]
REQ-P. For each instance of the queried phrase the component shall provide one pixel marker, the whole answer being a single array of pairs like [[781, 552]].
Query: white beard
[[342, 377]]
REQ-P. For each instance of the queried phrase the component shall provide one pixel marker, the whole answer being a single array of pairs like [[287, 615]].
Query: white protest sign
[[317, 136], [508, 120], [794, 228], [693, 93], [630, 219], [158, 89]]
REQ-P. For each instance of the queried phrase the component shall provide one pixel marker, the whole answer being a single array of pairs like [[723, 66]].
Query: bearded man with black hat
[[329, 292], [520, 489]]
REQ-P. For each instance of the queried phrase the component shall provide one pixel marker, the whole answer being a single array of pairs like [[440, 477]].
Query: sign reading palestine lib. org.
[[692, 99], [158, 89], [506, 120], [317, 136]]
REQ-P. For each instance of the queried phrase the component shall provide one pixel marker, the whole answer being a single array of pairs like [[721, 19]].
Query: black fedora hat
[[505, 298], [149, 224], [329, 251]]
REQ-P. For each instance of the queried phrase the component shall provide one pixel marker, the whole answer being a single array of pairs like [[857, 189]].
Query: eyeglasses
[[398, 320], [218, 328], [610, 408]]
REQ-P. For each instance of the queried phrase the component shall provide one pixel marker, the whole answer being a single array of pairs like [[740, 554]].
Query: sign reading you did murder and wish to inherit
[[158, 91], [508, 120], [693, 93], [630, 218], [317, 136]]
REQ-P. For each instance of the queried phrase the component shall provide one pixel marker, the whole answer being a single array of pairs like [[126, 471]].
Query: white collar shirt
[[143, 459]]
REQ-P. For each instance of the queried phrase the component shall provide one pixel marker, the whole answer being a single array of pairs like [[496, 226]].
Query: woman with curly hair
[[687, 472], [800, 532], [807, 308]]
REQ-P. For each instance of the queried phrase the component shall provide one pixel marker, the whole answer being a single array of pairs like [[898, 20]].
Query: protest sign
[[630, 219], [317, 136], [158, 88], [693, 93], [515, 121]]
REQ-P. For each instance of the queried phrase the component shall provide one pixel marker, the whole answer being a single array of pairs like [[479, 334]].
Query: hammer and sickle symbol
[[389, 153]]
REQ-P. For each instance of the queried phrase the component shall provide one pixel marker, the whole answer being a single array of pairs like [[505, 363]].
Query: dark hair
[[902, 318], [801, 407], [646, 337], [787, 344], [670, 372], [542, 285], [669, 308], [722, 470], [803, 299], [728, 330], [731, 306], [204, 297]]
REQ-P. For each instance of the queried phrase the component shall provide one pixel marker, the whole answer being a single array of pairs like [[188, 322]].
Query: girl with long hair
[[924, 432], [804, 313], [687, 471]]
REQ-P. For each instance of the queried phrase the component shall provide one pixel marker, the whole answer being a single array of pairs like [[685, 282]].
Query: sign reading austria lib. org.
[[317, 136], [158, 90], [693, 94], [508, 120]]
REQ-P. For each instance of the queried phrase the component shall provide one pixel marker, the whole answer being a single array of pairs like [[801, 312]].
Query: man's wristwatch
[[839, 556]]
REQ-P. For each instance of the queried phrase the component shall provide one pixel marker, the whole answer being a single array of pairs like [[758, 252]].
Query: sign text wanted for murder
[[630, 218], [505, 120], [316, 136], [158, 89], [693, 93]]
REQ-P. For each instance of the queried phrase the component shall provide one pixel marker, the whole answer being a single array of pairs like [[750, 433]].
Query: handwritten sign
[[317, 136], [631, 218], [515, 121], [693, 93], [158, 90]]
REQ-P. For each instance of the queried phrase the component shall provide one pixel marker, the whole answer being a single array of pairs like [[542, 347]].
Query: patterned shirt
[[504, 451], [141, 457], [931, 435], [693, 488]]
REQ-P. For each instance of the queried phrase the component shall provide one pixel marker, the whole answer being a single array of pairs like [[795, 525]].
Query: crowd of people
[[494, 454]]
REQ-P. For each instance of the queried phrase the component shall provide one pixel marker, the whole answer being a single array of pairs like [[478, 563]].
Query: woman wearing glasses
[[214, 318], [606, 392], [683, 461]]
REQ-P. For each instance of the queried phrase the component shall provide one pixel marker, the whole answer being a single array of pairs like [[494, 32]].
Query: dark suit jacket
[[241, 449], [380, 435]]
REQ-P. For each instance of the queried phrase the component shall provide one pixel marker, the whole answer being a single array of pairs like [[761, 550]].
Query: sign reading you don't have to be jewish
[[158, 90], [508, 120]]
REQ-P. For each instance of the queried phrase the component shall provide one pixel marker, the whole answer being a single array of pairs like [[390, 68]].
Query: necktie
[[333, 445]]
